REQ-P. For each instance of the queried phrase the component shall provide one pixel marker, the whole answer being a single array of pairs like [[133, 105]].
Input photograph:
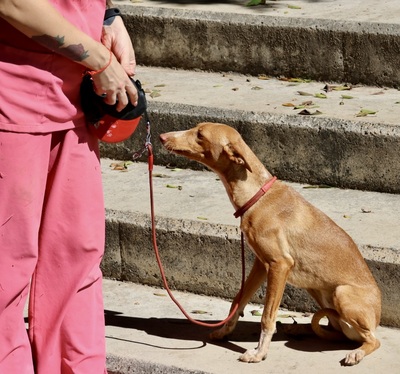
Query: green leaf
[[320, 96], [294, 7], [347, 97], [173, 186], [256, 313], [254, 2], [366, 112]]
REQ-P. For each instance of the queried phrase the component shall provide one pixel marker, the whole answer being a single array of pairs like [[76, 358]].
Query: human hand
[[116, 38], [114, 84]]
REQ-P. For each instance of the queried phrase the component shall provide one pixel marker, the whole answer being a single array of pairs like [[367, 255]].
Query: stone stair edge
[[261, 19], [363, 154], [355, 47]]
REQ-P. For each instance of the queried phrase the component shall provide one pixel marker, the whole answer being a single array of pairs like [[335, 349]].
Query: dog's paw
[[218, 334], [354, 357], [252, 355]]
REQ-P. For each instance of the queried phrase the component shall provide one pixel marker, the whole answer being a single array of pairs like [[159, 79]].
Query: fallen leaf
[[365, 210], [256, 313], [158, 175], [256, 88], [347, 97], [160, 85], [197, 311], [122, 165], [303, 93], [329, 88], [306, 104], [202, 218], [320, 96], [306, 112], [155, 93], [286, 316], [159, 294], [288, 104], [365, 112], [173, 186], [299, 80], [263, 77], [254, 2], [294, 7]]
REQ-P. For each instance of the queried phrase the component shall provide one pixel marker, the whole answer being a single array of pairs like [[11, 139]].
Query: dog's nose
[[163, 138]]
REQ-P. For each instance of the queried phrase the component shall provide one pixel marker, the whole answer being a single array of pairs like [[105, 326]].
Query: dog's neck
[[241, 184]]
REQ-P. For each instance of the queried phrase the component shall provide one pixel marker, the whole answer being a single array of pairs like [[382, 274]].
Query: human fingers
[[121, 97]]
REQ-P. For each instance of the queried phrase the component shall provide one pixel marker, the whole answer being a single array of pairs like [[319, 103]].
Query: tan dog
[[293, 242]]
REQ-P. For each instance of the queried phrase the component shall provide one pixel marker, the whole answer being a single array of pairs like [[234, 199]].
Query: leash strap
[[148, 146]]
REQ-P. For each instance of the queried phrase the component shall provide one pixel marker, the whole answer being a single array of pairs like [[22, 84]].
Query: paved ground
[[147, 333], [384, 11], [260, 95]]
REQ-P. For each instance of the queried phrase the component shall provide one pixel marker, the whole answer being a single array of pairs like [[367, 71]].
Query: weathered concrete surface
[[199, 239], [334, 147], [147, 333], [313, 42]]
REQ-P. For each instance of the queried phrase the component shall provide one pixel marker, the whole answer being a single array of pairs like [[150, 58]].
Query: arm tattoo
[[74, 52]]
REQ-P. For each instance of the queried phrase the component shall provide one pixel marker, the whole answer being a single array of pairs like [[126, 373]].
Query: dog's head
[[213, 144]]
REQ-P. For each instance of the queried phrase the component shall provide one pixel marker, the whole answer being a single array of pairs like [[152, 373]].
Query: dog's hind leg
[[256, 277], [359, 310]]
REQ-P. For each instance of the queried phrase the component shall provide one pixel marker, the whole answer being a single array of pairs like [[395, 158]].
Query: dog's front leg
[[256, 277], [277, 275]]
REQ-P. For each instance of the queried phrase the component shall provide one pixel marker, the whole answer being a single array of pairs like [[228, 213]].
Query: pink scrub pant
[[51, 245]]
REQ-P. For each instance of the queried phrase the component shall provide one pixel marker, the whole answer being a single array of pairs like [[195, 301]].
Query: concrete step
[[335, 147], [199, 239], [333, 40], [146, 333]]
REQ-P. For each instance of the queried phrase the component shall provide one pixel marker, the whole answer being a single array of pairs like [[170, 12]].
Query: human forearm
[[39, 20]]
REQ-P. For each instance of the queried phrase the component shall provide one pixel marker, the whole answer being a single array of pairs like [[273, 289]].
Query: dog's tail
[[326, 332]]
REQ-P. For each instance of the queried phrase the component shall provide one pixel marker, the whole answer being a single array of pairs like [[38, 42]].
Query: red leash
[[149, 148], [153, 230]]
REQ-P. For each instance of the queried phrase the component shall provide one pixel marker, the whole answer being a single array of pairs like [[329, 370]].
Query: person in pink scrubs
[[51, 201]]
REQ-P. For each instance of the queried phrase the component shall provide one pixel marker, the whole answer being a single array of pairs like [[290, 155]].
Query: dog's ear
[[236, 157]]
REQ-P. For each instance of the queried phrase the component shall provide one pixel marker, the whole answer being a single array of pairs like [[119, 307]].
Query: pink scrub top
[[39, 89]]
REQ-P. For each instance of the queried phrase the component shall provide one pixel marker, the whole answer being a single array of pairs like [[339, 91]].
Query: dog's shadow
[[182, 329]]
